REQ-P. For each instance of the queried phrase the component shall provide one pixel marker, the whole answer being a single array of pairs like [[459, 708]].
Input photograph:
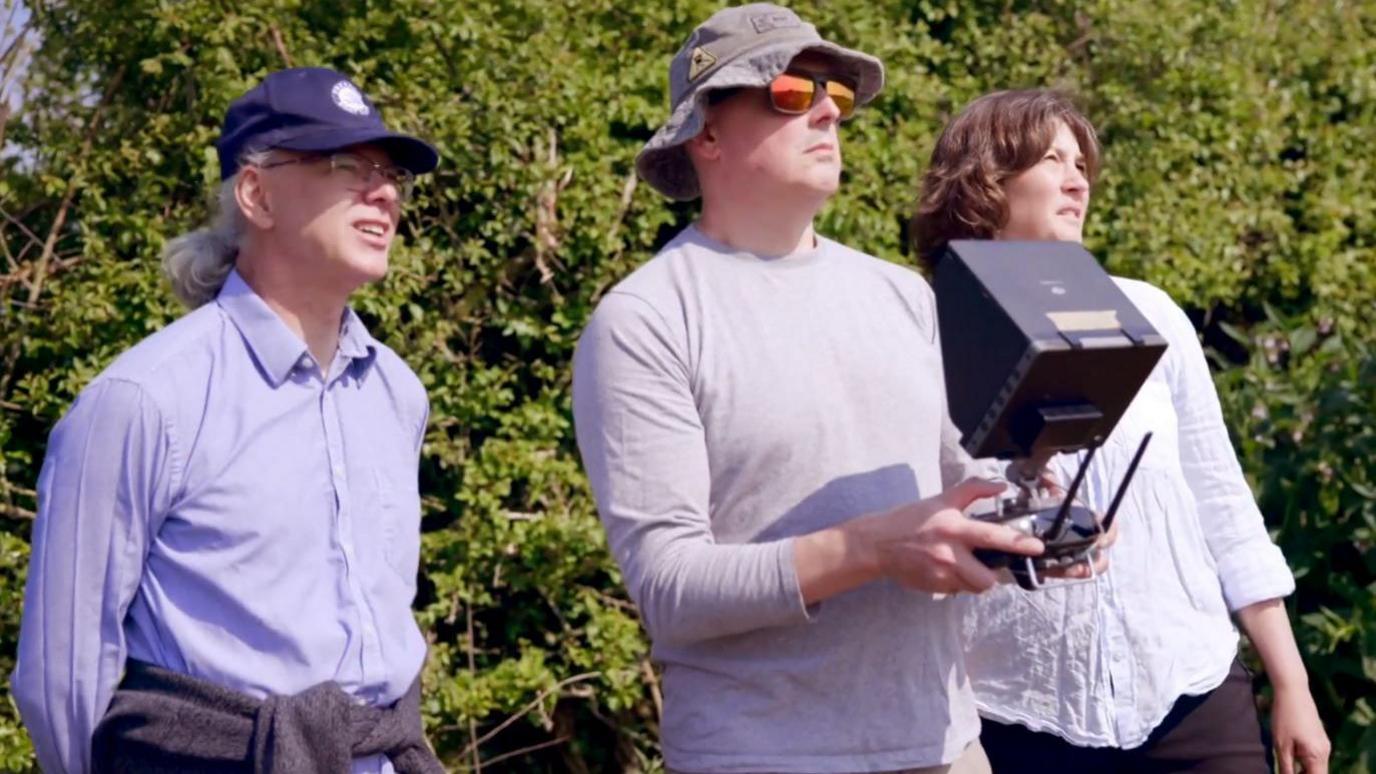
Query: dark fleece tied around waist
[[161, 721]]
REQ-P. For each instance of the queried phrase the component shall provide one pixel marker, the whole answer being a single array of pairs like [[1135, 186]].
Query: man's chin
[[362, 270], [823, 184]]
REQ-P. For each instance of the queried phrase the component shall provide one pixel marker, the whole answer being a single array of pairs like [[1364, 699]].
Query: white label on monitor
[[1072, 322]]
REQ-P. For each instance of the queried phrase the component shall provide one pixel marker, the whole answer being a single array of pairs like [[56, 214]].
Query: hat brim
[[406, 151], [664, 163]]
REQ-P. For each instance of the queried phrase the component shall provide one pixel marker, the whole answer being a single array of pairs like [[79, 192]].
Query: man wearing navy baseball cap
[[227, 543], [316, 110]]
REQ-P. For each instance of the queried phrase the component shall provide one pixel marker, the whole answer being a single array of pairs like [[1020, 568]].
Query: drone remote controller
[[1069, 531]]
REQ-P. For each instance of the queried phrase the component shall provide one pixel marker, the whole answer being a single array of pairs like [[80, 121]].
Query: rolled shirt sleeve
[[645, 452], [106, 477], [1251, 567]]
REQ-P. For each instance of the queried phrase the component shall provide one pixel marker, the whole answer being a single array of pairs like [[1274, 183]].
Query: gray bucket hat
[[744, 46]]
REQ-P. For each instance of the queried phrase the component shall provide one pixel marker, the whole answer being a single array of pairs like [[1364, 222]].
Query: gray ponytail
[[198, 263]]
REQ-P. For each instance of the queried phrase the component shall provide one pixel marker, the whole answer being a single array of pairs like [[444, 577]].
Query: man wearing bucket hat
[[762, 416], [228, 514]]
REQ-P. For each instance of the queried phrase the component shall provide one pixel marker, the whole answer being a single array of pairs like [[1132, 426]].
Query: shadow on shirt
[[843, 499]]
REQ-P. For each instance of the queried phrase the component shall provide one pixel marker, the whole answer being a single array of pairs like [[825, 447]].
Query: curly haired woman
[[1138, 669]]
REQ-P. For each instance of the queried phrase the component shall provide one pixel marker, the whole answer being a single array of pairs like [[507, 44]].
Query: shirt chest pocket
[[392, 513]]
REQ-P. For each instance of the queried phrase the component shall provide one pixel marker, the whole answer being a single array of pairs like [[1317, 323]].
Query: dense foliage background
[[1239, 177]]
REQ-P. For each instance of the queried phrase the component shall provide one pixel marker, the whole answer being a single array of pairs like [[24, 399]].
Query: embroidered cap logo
[[349, 98], [700, 62]]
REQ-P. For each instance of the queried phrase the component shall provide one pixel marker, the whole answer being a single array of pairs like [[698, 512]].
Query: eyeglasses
[[796, 92], [356, 171]]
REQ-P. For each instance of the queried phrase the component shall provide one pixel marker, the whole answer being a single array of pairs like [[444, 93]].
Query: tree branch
[[19, 224], [8, 488], [280, 45], [40, 267], [49, 245], [532, 704], [473, 674], [524, 750], [15, 512], [537, 701], [652, 680]]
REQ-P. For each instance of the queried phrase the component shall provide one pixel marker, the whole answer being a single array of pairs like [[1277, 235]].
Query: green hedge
[[1239, 177]]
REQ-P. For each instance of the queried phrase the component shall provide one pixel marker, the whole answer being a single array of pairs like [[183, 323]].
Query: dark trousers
[[1216, 733]]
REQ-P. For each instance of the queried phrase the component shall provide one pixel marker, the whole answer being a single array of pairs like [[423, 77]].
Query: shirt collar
[[276, 348], [356, 343]]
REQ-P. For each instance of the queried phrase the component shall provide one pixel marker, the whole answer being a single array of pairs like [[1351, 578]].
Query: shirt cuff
[[792, 588], [1254, 575]]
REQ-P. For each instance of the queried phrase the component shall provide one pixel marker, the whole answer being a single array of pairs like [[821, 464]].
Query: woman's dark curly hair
[[994, 138]]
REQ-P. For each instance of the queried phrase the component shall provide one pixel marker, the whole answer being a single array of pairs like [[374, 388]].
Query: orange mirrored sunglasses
[[795, 93]]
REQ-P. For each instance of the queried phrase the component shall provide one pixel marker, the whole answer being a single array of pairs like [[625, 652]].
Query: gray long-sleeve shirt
[[726, 403]]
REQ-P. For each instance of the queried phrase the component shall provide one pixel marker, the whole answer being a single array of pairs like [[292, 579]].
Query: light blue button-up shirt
[[212, 505]]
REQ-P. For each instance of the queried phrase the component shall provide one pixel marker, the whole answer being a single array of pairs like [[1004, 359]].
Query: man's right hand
[[929, 545]]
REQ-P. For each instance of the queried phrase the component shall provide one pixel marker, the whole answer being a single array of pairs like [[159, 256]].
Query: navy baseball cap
[[312, 109]]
